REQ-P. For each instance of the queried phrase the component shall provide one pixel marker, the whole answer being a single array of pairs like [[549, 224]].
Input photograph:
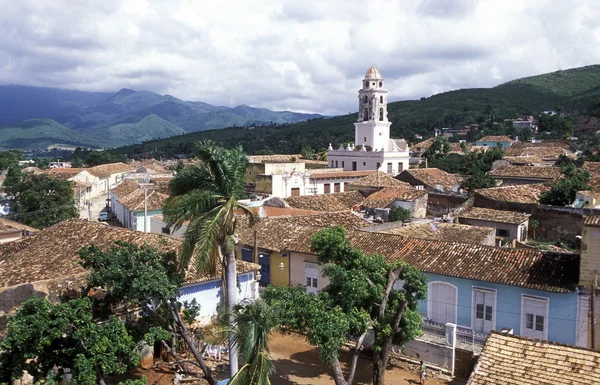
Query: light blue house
[[495, 141], [480, 288]]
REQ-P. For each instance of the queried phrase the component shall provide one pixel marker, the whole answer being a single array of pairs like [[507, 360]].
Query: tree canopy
[[364, 291], [563, 192], [41, 201]]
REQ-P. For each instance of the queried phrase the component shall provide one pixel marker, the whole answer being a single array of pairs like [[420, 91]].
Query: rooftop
[[64, 173], [527, 193], [387, 196], [342, 174], [527, 160], [449, 232], [125, 188], [492, 138], [379, 179], [591, 167], [491, 215], [434, 176], [105, 170], [6, 225], [542, 152], [509, 359], [591, 220], [529, 172], [373, 73], [326, 202], [54, 252], [134, 201], [531, 268]]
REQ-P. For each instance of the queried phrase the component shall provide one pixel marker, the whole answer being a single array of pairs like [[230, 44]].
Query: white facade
[[158, 226], [372, 148]]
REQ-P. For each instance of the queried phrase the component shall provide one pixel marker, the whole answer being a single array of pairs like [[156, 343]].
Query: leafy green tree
[[206, 195], [42, 336], [307, 152], [41, 201], [13, 176], [438, 148], [478, 180], [563, 192], [398, 213], [252, 326], [361, 295], [130, 277], [43, 163]]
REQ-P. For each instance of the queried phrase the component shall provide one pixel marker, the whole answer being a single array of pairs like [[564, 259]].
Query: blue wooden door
[[265, 268]]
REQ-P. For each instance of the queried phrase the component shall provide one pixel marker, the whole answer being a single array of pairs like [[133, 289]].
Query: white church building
[[372, 148]]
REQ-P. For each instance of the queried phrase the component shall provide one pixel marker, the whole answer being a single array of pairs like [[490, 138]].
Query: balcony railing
[[436, 332]]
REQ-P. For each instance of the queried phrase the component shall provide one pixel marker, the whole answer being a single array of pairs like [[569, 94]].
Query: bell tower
[[372, 128]]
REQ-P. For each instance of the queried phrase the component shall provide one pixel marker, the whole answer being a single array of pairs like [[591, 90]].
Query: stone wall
[[556, 222], [442, 204]]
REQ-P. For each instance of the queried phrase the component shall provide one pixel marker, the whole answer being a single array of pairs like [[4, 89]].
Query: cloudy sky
[[303, 55]]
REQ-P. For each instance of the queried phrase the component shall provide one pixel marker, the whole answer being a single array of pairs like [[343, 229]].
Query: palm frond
[[197, 177], [211, 234], [181, 208]]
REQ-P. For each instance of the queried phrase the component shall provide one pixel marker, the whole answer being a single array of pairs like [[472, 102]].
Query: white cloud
[[295, 55]]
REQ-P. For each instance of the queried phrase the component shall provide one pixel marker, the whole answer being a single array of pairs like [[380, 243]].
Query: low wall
[[439, 355], [441, 204]]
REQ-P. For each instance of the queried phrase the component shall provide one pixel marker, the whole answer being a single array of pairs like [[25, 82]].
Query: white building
[[372, 148]]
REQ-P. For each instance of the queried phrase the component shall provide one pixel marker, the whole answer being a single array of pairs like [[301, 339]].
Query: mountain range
[[574, 90], [33, 118]]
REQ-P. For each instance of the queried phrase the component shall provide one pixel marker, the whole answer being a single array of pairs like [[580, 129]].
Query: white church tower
[[372, 148]]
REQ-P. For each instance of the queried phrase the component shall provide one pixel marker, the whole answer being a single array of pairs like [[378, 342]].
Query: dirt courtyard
[[297, 363]]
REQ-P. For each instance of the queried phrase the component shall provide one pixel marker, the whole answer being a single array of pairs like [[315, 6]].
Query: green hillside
[[41, 133], [151, 127], [575, 90]]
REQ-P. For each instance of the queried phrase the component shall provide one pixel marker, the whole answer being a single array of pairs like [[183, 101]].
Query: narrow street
[[97, 204]]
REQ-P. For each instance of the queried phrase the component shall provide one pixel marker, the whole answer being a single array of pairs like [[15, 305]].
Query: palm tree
[[205, 196], [252, 327]]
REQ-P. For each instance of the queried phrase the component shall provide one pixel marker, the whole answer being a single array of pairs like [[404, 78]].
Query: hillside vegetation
[[569, 90]]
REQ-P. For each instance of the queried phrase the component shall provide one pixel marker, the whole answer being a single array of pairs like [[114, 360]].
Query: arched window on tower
[[380, 84], [381, 99], [366, 113], [366, 100], [381, 114]]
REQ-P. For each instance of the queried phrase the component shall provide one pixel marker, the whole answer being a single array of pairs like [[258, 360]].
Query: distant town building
[[372, 148], [495, 141]]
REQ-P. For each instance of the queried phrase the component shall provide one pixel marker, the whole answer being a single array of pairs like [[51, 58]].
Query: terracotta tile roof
[[491, 215], [529, 172], [594, 182], [591, 167], [509, 359], [434, 176], [105, 170], [387, 196], [492, 138], [424, 145], [54, 252], [6, 225], [343, 174], [34, 170], [541, 152], [125, 188], [527, 193], [284, 211], [449, 232], [531, 268], [134, 201], [545, 143], [379, 179], [64, 173], [326, 202], [527, 160], [591, 220], [293, 233]]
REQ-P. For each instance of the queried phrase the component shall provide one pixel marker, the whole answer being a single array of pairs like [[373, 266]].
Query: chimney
[[262, 212]]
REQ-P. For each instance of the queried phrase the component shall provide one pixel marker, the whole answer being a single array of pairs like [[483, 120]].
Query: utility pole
[[145, 209], [89, 205]]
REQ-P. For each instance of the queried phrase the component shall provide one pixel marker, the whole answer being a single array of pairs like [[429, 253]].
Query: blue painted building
[[485, 306], [495, 141]]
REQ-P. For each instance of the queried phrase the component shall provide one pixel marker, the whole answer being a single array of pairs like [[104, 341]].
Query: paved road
[[98, 204]]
